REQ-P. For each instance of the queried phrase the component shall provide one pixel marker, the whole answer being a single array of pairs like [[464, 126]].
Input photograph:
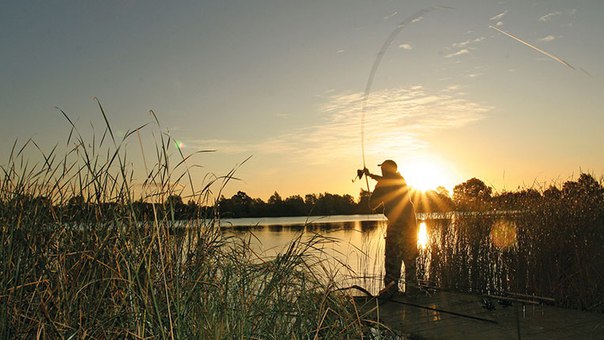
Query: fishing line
[[376, 63]]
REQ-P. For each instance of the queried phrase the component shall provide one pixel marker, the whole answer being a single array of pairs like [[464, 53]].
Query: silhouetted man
[[392, 192]]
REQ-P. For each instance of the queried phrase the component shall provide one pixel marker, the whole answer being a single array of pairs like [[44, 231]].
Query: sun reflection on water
[[422, 236]]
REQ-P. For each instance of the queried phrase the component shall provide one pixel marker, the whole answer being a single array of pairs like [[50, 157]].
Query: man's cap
[[389, 164]]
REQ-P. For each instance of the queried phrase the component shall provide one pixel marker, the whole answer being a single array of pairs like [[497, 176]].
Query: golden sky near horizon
[[509, 91]]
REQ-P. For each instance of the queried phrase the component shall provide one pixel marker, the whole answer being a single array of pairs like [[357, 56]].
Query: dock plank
[[463, 316]]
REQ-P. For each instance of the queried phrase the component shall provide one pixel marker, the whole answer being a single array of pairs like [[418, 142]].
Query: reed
[[552, 247], [78, 258]]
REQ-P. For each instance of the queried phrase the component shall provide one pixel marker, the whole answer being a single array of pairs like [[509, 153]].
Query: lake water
[[507, 252], [353, 251]]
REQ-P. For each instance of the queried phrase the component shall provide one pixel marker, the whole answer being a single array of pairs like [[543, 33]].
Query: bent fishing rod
[[374, 67]]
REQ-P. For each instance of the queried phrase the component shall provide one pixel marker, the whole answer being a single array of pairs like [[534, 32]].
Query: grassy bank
[[109, 274]]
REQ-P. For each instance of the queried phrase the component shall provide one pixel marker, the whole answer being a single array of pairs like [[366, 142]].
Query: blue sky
[[283, 82]]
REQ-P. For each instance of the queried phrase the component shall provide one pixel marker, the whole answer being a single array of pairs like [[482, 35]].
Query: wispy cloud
[[467, 42], [418, 19], [499, 16], [391, 15], [458, 53], [406, 46], [548, 38], [462, 44], [396, 120], [549, 16]]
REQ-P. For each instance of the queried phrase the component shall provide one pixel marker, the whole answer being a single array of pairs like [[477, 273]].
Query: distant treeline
[[472, 195], [242, 205]]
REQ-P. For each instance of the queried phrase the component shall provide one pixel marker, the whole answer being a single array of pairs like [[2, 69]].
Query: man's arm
[[376, 199], [370, 175]]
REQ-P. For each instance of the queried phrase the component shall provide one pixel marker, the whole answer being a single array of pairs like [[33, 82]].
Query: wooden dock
[[448, 315]]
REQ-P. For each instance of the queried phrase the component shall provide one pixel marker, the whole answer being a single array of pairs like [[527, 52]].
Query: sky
[[509, 92]]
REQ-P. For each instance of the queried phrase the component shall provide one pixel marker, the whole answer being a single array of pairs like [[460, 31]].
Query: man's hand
[[370, 175]]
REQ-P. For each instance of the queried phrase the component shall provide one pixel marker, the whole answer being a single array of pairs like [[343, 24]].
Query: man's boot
[[389, 291]]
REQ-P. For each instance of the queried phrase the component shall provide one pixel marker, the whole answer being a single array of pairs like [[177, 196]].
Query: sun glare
[[426, 174]]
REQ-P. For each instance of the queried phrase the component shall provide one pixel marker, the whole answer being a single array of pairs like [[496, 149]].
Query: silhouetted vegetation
[[84, 256], [241, 205], [78, 209], [536, 242], [472, 195]]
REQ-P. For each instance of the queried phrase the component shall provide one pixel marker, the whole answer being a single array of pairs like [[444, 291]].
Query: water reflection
[[463, 251], [422, 236], [353, 252], [367, 226], [275, 228]]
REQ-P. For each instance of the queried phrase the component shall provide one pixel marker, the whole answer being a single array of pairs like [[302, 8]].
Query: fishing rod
[[416, 17], [444, 311], [417, 305]]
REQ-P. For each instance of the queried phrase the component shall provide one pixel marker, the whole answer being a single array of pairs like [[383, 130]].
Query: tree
[[585, 186], [310, 200], [76, 208], [518, 200], [275, 199], [363, 205], [583, 195], [241, 204], [175, 206], [552, 193], [432, 201], [294, 206], [275, 205], [76, 201], [259, 208], [443, 192], [472, 194]]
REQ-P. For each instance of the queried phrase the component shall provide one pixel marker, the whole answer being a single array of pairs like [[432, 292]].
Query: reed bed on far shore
[[77, 258]]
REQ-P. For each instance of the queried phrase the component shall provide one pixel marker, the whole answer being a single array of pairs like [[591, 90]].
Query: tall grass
[[77, 258], [553, 247]]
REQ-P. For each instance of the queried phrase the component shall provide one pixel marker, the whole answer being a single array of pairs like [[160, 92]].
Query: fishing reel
[[360, 173]]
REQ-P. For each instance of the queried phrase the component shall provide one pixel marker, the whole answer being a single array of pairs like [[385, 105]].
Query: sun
[[427, 174]]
